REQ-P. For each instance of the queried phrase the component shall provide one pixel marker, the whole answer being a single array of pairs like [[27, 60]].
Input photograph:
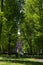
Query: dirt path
[[37, 60]]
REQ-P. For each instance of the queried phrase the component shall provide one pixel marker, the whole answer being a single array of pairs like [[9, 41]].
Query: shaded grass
[[18, 61]]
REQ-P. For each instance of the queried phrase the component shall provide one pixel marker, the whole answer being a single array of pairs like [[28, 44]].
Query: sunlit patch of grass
[[18, 61], [10, 63], [24, 63]]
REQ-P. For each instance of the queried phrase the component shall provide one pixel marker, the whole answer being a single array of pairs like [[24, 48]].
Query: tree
[[31, 22], [1, 18], [39, 38], [12, 13]]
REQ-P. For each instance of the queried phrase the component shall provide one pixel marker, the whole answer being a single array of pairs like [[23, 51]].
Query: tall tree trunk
[[30, 44], [1, 5], [9, 41], [1, 19]]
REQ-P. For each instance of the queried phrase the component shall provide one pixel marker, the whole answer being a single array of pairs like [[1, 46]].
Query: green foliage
[[31, 23], [26, 15]]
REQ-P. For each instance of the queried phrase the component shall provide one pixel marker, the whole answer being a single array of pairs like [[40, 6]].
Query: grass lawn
[[18, 61]]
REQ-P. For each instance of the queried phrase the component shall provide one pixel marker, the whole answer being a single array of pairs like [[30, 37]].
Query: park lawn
[[10, 63], [18, 61], [21, 63]]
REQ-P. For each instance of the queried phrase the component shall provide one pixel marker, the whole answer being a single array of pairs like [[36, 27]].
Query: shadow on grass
[[24, 62], [33, 63]]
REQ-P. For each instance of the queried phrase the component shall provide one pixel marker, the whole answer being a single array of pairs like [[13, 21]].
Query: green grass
[[18, 61]]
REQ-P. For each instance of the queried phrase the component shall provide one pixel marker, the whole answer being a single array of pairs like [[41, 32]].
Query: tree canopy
[[21, 20]]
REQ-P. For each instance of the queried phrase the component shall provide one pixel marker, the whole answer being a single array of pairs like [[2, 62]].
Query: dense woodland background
[[21, 20]]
